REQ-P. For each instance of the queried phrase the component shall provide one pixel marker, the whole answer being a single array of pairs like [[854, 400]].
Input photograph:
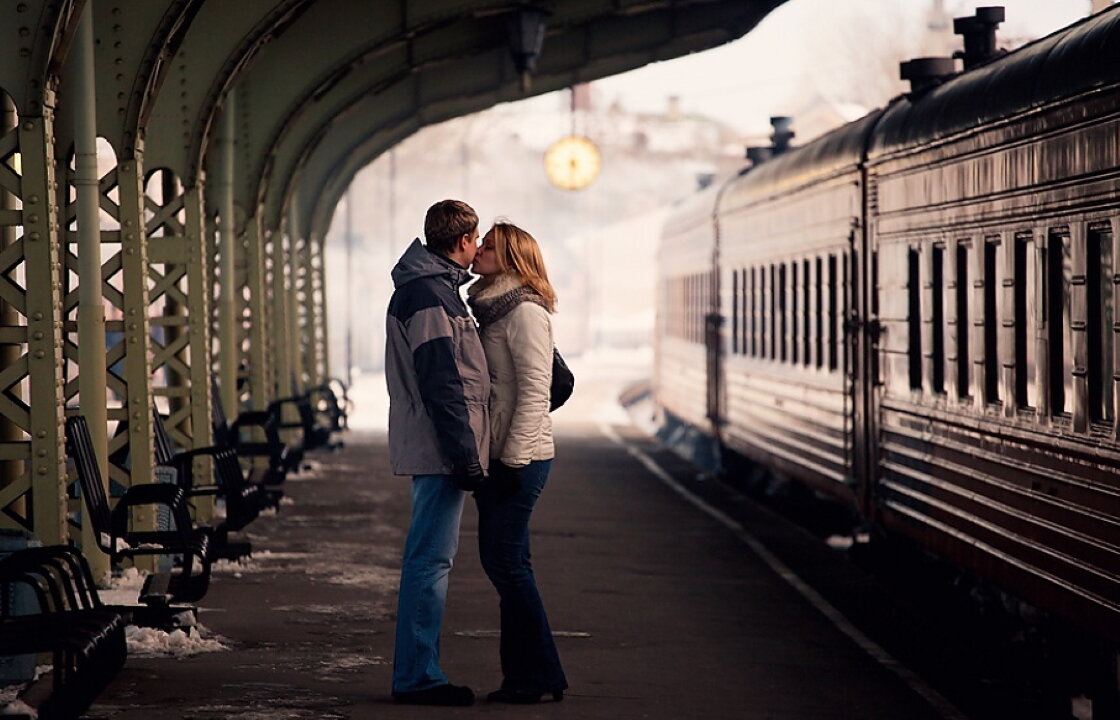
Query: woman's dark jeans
[[530, 662]]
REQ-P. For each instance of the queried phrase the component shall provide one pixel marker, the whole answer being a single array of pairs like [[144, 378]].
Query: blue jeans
[[429, 552], [530, 662]]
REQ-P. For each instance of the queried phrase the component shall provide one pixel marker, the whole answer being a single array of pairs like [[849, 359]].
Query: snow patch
[[150, 642], [260, 561], [20, 708]]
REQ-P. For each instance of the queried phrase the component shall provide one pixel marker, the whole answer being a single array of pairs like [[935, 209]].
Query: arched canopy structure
[[235, 128]]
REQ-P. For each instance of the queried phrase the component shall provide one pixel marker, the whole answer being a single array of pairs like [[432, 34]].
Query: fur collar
[[497, 298], [487, 291]]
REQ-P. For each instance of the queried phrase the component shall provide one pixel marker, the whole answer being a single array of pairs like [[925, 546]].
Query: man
[[439, 433]]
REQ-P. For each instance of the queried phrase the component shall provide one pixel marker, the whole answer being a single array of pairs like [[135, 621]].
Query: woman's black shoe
[[447, 695], [522, 697]]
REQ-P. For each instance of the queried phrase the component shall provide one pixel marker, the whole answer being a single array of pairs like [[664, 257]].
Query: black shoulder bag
[[563, 381]]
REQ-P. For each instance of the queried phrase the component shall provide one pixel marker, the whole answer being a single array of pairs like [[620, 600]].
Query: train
[[915, 315]]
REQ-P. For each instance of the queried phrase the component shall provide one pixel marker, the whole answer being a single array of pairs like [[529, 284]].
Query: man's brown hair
[[446, 222]]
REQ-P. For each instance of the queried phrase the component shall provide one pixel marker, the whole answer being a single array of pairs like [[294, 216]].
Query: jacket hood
[[419, 262]]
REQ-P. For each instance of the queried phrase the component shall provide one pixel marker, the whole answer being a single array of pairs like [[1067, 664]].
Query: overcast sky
[[744, 82]]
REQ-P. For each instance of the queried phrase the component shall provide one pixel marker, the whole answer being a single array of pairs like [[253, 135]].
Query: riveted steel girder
[[222, 39], [134, 40], [36, 36]]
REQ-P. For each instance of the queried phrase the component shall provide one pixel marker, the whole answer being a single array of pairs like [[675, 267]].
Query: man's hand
[[505, 480], [470, 478]]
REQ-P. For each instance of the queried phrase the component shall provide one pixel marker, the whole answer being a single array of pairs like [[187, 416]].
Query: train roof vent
[[979, 33], [783, 133], [925, 73], [759, 154]]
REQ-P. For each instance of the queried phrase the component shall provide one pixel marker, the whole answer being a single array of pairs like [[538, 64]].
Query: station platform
[[662, 608]]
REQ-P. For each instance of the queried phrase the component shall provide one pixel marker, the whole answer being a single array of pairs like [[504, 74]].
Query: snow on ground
[[601, 376], [149, 642], [123, 590], [18, 707]]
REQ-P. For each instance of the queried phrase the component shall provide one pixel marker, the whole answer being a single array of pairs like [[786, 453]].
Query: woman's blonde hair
[[517, 251]]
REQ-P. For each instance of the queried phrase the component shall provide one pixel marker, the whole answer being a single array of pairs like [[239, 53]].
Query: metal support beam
[[35, 499], [10, 433], [261, 387], [322, 365], [137, 331], [294, 308], [307, 293], [279, 339], [198, 340], [229, 351], [91, 308]]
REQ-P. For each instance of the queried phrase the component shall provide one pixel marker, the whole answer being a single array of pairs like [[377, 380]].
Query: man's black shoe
[[457, 695]]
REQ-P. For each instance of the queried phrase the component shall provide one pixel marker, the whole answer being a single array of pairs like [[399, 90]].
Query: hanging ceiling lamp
[[525, 30]]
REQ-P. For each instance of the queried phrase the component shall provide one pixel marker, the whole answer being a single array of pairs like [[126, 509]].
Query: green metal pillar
[[137, 331], [309, 314], [294, 308], [42, 420], [198, 333], [91, 309], [229, 351], [175, 311], [319, 306], [259, 359], [280, 339], [11, 470]]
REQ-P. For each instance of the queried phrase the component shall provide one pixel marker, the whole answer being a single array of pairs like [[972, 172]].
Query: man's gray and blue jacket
[[439, 385]]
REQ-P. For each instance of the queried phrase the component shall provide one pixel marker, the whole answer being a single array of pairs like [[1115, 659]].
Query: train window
[[697, 308], [782, 331], [818, 314], [735, 312], [684, 304], [690, 308], [848, 270], [1056, 288], [762, 307], [991, 321], [743, 305], [794, 315], [937, 317], [834, 334], [962, 320], [1098, 282], [914, 308], [773, 312], [806, 326], [1026, 321], [749, 332]]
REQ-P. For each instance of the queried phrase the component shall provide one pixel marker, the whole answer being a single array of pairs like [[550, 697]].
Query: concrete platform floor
[[661, 610]]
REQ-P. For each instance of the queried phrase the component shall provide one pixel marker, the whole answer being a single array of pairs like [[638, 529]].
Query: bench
[[192, 545], [327, 405], [244, 500], [244, 435], [85, 638]]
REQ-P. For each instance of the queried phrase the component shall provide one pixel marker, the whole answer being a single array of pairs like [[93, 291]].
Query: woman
[[512, 302]]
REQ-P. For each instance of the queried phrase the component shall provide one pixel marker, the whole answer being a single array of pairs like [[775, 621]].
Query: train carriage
[[685, 284], [787, 234], [994, 202], [916, 314]]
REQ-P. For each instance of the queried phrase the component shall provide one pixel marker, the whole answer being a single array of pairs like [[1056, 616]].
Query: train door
[[713, 347], [864, 376]]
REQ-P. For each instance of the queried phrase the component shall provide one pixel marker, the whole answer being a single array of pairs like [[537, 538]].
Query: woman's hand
[[504, 480]]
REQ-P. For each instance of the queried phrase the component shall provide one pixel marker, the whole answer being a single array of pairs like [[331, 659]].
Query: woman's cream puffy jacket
[[518, 348]]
